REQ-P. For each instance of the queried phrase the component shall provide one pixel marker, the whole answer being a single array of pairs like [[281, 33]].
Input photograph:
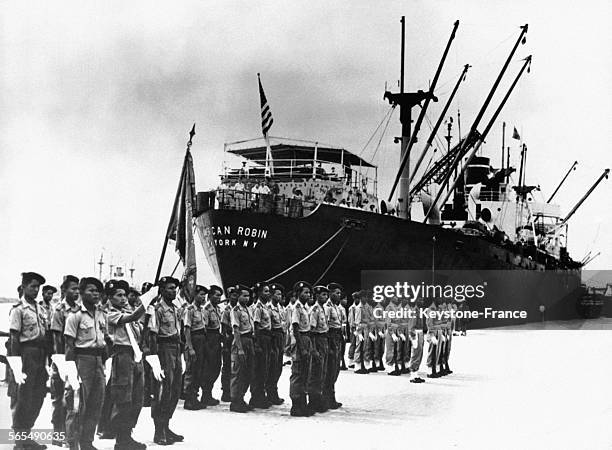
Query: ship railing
[[488, 195], [236, 200]]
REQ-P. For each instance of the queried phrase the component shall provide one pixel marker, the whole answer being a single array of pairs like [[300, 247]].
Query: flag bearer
[[212, 346], [85, 335], [27, 340], [195, 341], [127, 374], [300, 351], [228, 337], [277, 345], [165, 342]]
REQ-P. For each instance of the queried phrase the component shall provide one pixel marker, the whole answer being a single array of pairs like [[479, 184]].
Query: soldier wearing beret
[[335, 344], [127, 373], [277, 345], [85, 337], [242, 352], [165, 342], [300, 351], [28, 328], [63, 416], [212, 345], [195, 338], [227, 338], [263, 337]]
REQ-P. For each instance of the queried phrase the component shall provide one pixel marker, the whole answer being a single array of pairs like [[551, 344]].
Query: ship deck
[[512, 388]]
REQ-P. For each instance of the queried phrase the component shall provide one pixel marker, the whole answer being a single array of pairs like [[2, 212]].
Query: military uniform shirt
[[392, 323], [212, 317], [351, 315], [225, 315], [276, 316], [118, 332], [332, 314], [48, 309], [195, 318], [300, 316], [318, 321], [30, 320], [261, 316], [87, 330], [165, 321], [241, 318], [60, 313]]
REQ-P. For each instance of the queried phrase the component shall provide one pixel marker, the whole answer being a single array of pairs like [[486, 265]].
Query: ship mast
[[581, 201], [563, 180], [407, 101]]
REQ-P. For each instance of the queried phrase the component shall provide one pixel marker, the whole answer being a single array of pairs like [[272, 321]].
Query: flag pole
[[176, 197]]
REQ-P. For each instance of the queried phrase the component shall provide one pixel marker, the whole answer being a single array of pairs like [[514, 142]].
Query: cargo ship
[[289, 210]]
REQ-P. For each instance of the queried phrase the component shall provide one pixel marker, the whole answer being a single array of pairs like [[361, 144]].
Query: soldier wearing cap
[[351, 328], [362, 339], [227, 339], [320, 350], [300, 351], [416, 341], [392, 338], [212, 345], [277, 344], [63, 417], [405, 325], [85, 337], [242, 352], [195, 339], [127, 374], [379, 332], [165, 342], [335, 344], [432, 339], [28, 326], [344, 319], [263, 338]]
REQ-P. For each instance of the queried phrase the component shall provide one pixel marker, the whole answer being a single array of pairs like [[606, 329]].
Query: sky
[[97, 99]]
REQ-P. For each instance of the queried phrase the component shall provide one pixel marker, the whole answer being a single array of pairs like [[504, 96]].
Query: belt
[[168, 339], [246, 335], [279, 329], [319, 333], [88, 351], [213, 330], [123, 349], [198, 332], [335, 330], [35, 343], [305, 333]]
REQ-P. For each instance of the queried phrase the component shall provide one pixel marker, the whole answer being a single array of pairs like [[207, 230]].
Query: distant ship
[[323, 220]]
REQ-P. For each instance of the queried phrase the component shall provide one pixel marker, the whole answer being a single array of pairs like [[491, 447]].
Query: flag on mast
[[516, 135], [266, 123], [182, 227]]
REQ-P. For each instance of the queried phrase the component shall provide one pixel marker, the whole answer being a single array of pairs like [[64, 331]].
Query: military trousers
[[300, 366], [363, 348], [261, 364], [195, 365], [334, 353], [416, 353], [58, 415], [166, 392], [90, 368], [127, 391], [392, 348], [27, 398], [212, 361], [352, 344], [318, 363], [432, 349], [242, 368], [275, 365], [226, 368]]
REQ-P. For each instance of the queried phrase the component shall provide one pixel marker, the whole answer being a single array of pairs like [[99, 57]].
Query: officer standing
[[63, 416], [165, 342], [242, 352], [320, 350], [335, 344], [277, 344], [27, 340], [228, 337], [212, 345], [263, 339], [85, 334], [300, 351], [127, 374], [195, 339]]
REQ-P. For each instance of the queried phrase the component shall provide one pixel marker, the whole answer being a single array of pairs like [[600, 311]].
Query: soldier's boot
[[58, 432], [322, 403], [311, 403], [381, 366], [334, 404], [396, 371], [239, 407], [447, 369], [405, 369], [433, 373], [259, 401], [298, 407], [172, 435], [159, 437], [343, 364], [208, 399], [30, 444], [362, 370], [226, 397], [274, 398], [192, 404]]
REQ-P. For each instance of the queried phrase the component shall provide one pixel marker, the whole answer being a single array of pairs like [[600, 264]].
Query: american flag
[[266, 114]]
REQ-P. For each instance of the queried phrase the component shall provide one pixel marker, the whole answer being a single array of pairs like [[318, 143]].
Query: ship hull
[[338, 244]]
